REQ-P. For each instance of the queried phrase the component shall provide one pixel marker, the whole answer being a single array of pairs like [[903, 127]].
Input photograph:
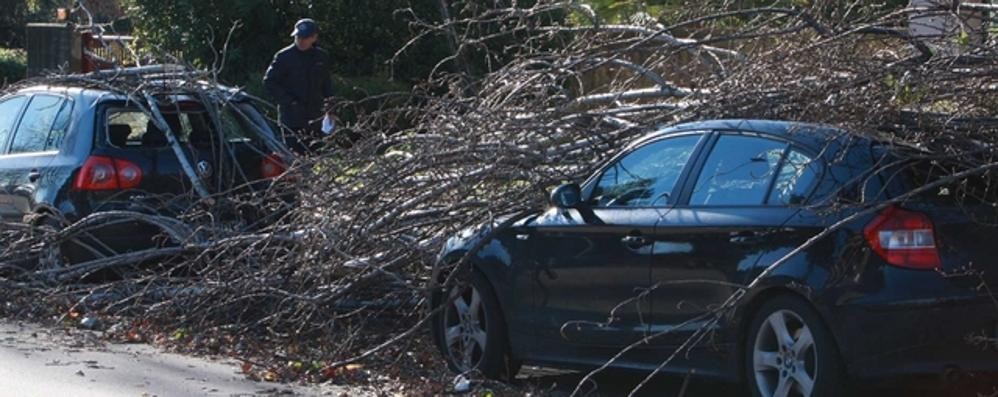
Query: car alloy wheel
[[466, 327], [469, 329], [784, 357]]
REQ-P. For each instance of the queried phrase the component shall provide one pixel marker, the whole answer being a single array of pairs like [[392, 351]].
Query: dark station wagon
[[643, 252]]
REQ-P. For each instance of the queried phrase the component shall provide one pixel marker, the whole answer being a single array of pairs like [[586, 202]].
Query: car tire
[[469, 330], [806, 363]]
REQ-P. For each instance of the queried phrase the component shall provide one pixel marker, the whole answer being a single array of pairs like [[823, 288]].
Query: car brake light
[[904, 238], [272, 167], [105, 173], [129, 174]]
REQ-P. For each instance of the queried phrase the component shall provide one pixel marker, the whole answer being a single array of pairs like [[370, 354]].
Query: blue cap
[[305, 28]]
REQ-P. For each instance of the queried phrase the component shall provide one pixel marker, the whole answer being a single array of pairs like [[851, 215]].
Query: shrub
[[361, 36], [13, 65]]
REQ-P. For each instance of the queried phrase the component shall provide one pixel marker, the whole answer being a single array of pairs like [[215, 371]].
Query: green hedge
[[13, 65], [360, 35]]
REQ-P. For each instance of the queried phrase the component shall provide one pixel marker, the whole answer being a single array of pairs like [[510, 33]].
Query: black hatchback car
[[70, 151], [672, 227]]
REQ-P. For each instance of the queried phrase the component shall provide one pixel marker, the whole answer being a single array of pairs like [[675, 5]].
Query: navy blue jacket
[[300, 82]]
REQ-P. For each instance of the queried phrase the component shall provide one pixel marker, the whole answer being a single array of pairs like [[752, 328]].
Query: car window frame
[[819, 174], [102, 137], [64, 99], [687, 193], [5, 144], [69, 125], [589, 186]]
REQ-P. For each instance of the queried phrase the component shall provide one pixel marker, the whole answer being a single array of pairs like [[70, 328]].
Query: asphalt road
[[40, 361]]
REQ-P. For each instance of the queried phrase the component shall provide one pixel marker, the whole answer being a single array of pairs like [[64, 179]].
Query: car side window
[[9, 110], [738, 171], [646, 176], [797, 175], [33, 132]]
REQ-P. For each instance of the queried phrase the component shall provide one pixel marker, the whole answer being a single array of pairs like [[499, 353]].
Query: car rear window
[[130, 127]]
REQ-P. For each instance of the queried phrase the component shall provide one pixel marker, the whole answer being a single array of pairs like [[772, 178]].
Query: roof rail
[[165, 70]]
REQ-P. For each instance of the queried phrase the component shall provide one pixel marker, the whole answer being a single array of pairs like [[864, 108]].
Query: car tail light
[[105, 173], [904, 238], [129, 174], [272, 167]]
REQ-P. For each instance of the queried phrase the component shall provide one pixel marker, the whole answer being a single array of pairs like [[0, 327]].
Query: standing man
[[299, 80]]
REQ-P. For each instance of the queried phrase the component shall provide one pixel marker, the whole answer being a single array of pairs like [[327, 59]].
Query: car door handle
[[34, 176], [634, 241]]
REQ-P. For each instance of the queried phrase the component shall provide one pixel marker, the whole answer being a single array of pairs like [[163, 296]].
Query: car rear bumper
[[920, 337]]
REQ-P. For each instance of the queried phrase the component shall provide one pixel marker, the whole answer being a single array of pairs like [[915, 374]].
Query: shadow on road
[[614, 383], [558, 383]]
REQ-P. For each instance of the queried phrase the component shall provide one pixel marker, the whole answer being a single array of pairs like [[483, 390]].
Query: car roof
[[59, 89], [807, 134], [159, 76]]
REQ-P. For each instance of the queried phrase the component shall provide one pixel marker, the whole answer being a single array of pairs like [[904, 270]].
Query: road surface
[[40, 361], [45, 361]]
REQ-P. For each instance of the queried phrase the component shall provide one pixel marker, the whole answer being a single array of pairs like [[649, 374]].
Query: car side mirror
[[567, 196]]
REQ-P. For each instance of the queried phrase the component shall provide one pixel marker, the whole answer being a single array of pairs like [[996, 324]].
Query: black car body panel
[[578, 285]]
